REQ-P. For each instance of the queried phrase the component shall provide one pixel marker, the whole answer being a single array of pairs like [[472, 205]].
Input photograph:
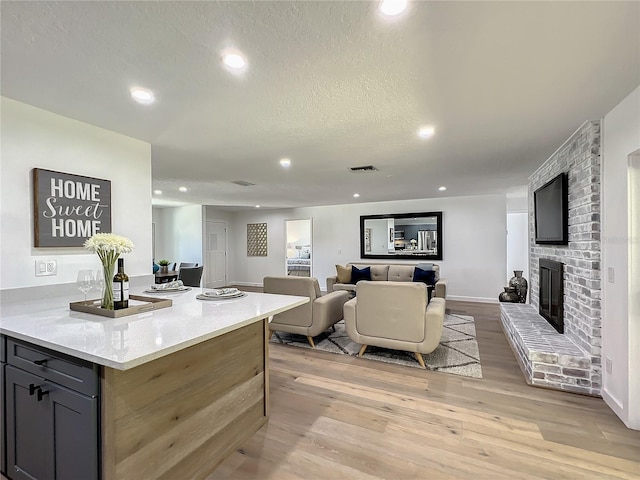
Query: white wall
[[620, 335], [179, 233], [518, 233], [473, 229], [31, 138], [379, 236], [517, 245], [299, 233]]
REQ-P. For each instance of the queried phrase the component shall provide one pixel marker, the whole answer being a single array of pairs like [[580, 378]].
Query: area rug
[[457, 353]]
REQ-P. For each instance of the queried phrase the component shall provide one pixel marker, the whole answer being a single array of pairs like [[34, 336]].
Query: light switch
[[611, 275]]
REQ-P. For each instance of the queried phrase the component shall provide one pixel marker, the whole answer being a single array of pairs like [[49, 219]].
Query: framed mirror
[[402, 236]]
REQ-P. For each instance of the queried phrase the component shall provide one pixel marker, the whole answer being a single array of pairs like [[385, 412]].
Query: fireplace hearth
[[551, 297]]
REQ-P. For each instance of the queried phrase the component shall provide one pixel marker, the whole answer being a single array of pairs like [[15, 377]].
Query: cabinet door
[[3, 423], [75, 434], [3, 402], [54, 437], [29, 428]]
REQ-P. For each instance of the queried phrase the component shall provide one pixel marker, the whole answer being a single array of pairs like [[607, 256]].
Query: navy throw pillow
[[358, 274], [428, 277], [425, 276]]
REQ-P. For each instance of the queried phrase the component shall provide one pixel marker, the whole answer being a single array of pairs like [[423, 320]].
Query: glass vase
[[509, 295], [108, 270], [519, 283]]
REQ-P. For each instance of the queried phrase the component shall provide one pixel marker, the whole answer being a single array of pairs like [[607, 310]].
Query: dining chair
[[188, 265], [190, 277]]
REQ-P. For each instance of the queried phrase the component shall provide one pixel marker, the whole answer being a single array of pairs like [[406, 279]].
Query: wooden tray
[[153, 303]]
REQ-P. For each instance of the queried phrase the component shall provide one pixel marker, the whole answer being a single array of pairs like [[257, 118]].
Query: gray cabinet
[[51, 429], [3, 440]]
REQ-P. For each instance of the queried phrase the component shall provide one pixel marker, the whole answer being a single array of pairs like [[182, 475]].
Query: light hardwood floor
[[340, 417]]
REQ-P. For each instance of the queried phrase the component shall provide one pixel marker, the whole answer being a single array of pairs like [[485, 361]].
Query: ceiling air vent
[[366, 168], [242, 183]]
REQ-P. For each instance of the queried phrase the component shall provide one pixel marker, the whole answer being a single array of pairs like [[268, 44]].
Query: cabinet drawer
[[73, 373]]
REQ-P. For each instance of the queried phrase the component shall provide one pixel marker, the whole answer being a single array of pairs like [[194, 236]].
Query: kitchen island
[[177, 389]]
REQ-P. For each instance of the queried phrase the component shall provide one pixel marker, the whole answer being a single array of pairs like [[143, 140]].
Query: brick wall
[[579, 157]]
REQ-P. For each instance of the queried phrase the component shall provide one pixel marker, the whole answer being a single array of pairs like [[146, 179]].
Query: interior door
[[216, 254]]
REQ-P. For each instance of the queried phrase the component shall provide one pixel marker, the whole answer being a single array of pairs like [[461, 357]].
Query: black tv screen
[[552, 212]]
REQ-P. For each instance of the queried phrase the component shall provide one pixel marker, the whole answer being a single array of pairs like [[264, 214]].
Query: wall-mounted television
[[551, 203]]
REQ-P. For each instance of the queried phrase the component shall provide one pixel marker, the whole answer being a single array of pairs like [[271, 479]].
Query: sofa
[[393, 272], [309, 319], [395, 315]]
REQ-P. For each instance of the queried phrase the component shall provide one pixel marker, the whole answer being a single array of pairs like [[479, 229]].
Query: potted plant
[[164, 266]]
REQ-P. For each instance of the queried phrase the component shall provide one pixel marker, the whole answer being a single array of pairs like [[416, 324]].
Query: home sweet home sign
[[68, 209]]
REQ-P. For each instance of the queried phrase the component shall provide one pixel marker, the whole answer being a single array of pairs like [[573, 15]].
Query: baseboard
[[472, 299], [449, 297], [617, 407], [246, 284]]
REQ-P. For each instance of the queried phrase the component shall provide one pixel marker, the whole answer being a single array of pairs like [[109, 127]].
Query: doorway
[[216, 254], [299, 255]]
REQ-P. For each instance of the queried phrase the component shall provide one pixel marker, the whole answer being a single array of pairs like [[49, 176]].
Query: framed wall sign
[[68, 209]]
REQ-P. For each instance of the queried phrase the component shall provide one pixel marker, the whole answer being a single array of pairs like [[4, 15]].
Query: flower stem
[[108, 267]]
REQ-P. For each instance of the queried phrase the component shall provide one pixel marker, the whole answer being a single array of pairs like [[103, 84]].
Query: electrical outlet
[[339, 251], [608, 365], [46, 268]]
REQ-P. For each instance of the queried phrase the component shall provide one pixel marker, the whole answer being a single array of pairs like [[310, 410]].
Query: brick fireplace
[[569, 361]]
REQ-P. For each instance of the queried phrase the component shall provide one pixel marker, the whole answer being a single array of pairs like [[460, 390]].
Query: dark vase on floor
[[519, 283], [509, 295]]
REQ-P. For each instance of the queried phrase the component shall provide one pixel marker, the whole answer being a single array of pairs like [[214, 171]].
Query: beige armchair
[[309, 319], [395, 315]]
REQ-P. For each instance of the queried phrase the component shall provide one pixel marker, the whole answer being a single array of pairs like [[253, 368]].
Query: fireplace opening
[[552, 293]]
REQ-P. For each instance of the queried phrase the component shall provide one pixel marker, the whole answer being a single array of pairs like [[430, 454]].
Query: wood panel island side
[[176, 390]]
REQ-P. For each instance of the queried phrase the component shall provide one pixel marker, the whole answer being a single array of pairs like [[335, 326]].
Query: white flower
[[108, 246], [102, 242]]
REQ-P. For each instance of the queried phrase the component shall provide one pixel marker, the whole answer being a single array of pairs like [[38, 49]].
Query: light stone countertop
[[126, 342]]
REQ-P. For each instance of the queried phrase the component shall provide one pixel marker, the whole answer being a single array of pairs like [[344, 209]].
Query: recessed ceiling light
[[142, 95], [183, 189], [356, 195], [158, 192], [285, 162], [257, 206], [426, 131], [393, 7], [442, 189], [234, 60]]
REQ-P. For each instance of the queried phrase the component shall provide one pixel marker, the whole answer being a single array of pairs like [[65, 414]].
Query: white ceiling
[[330, 85]]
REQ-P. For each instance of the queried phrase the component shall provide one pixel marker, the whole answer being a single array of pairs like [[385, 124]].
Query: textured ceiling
[[330, 85]]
